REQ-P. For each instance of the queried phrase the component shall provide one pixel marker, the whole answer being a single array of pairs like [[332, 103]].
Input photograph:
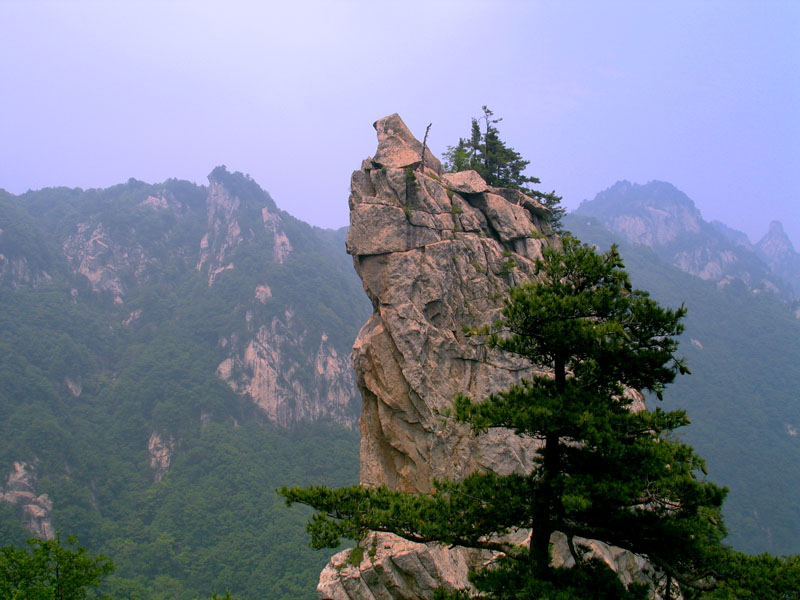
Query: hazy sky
[[705, 95]]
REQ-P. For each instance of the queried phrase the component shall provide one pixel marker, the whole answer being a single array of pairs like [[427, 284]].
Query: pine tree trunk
[[544, 512], [547, 503]]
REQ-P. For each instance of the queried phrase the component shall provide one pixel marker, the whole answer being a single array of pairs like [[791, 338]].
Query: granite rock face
[[391, 567], [20, 490], [436, 253], [161, 449]]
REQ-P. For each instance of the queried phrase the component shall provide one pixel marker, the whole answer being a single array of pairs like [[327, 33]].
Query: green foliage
[[743, 350], [356, 556], [227, 596], [762, 577], [604, 471], [498, 164], [508, 265], [508, 579], [211, 524], [48, 570]]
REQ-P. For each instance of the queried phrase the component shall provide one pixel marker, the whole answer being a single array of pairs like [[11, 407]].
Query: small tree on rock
[[498, 164]]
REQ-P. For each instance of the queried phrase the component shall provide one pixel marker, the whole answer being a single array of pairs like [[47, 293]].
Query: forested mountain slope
[[169, 355], [660, 216], [743, 349]]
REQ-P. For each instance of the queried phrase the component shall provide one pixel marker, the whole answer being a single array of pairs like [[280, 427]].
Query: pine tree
[[498, 164], [50, 570], [604, 470]]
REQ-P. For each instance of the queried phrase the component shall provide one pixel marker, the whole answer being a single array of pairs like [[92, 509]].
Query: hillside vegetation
[[742, 348]]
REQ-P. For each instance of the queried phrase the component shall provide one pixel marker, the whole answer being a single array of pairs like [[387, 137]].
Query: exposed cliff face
[[116, 255], [290, 386], [436, 252], [16, 271], [777, 251], [269, 355], [662, 217], [94, 255], [20, 490], [161, 449], [224, 232]]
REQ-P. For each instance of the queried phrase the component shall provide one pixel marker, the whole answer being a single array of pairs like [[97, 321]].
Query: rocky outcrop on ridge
[[391, 567], [437, 252], [20, 490], [660, 216]]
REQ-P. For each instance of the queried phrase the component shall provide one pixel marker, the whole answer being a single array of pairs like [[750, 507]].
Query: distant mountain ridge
[[660, 216], [134, 237], [742, 349], [169, 354]]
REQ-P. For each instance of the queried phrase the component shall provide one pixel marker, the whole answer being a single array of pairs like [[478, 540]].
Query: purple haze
[[703, 95]]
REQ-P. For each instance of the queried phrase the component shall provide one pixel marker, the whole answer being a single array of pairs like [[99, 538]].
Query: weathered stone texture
[[436, 253], [20, 490]]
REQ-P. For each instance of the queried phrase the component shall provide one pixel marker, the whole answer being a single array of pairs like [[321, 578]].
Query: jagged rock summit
[[775, 243], [432, 261], [437, 253]]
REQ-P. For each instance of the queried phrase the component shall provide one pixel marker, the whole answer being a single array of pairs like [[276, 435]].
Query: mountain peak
[[242, 186], [660, 216], [776, 244], [625, 196], [653, 214]]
